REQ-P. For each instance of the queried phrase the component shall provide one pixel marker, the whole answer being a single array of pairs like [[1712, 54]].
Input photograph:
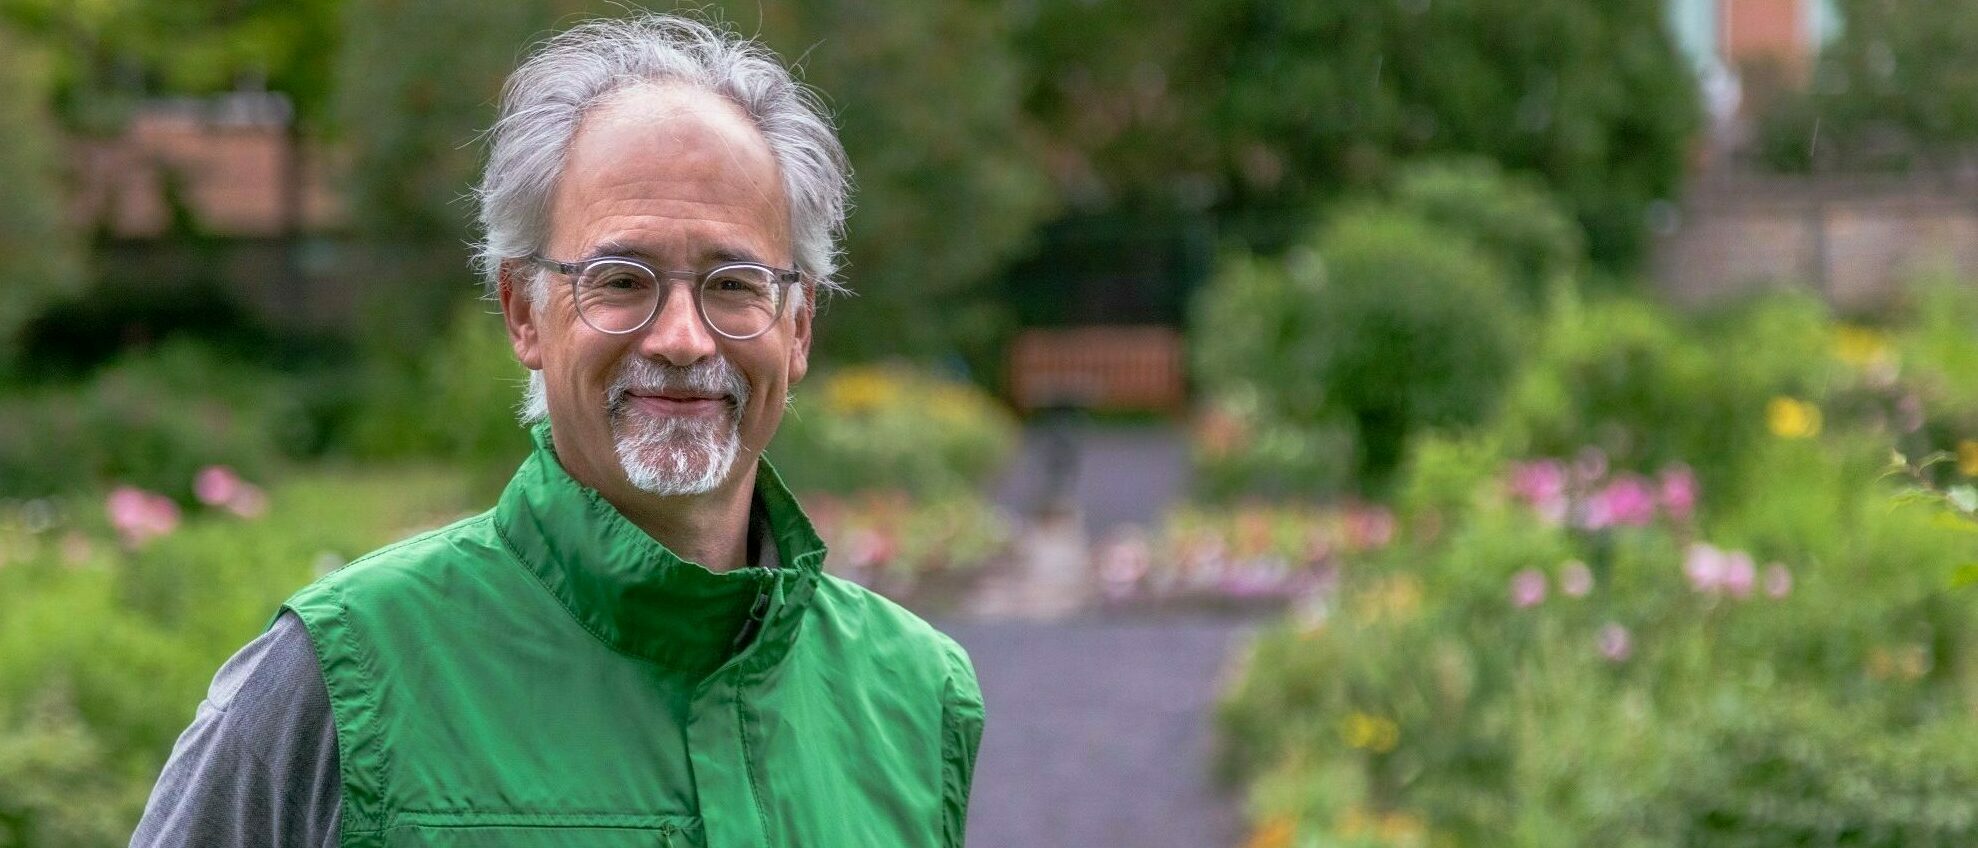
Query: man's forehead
[[668, 152], [679, 121]]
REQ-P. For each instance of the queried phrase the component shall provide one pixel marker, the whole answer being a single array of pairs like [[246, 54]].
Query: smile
[[658, 406]]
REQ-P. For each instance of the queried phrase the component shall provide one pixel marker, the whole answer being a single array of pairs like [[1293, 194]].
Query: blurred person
[[636, 645]]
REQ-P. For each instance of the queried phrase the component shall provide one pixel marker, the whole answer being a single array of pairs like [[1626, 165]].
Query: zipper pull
[[758, 611]]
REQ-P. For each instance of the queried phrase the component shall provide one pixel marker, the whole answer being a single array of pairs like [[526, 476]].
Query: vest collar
[[638, 597]]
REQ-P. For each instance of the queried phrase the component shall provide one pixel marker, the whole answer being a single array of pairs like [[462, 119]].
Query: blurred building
[[1737, 45], [225, 166], [1854, 238]]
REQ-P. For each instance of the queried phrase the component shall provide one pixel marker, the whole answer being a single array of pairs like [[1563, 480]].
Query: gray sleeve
[[258, 766]]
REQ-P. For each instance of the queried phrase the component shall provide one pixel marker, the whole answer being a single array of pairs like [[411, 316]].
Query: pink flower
[[1615, 642], [1369, 527], [1678, 492], [1704, 565], [1628, 501], [215, 485], [139, 516], [1575, 579], [1778, 581], [218, 485], [1527, 588], [1542, 486], [1739, 574], [248, 502], [1123, 563]]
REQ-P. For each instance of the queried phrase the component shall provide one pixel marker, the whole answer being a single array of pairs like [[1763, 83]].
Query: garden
[[1541, 559], [1642, 577]]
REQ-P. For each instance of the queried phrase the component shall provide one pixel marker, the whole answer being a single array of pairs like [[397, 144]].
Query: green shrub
[[892, 428], [456, 402], [40, 257], [1455, 691], [1386, 323], [1512, 218], [151, 419], [1648, 389], [1239, 451], [109, 647]]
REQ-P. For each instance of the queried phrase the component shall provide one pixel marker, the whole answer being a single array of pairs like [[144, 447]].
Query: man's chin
[[676, 465]]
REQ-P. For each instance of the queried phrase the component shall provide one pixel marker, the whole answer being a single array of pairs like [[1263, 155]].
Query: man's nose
[[677, 334]]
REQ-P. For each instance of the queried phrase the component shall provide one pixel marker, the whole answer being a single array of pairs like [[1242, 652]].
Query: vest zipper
[[758, 611]]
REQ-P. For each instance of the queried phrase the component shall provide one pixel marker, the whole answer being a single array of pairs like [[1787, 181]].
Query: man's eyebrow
[[716, 254]]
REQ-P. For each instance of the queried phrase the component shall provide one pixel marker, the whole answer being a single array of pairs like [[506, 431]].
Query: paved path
[[1099, 732], [1119, 474]]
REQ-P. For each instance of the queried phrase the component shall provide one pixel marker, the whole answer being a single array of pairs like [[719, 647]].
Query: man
[[636, 646]]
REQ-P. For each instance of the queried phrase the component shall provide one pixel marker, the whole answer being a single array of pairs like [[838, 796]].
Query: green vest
[[546, 674]]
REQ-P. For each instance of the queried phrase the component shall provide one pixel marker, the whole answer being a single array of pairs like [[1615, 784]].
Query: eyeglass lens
[[737, 300]]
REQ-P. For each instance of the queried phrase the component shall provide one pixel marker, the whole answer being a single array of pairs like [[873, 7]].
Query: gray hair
[[547, 97]]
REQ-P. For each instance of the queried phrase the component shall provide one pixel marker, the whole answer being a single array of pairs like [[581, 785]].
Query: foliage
[[892, 428], [415, 82], [1510, 674], [1650, 389], [110, 645], [936, 218], [1240, 450], [1657, 605], [1889, 94], [149, 419], [39, 257], [110, 52], [897, 544], [456, 403], [1388, 324], [1509, 216], [1226, 105]]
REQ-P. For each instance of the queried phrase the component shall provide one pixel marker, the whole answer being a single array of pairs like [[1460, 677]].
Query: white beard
[[677, 456]]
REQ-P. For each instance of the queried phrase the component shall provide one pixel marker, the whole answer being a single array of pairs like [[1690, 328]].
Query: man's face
[[679, 179]]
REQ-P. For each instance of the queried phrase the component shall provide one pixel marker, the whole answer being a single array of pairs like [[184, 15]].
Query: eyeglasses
[[619, 295]]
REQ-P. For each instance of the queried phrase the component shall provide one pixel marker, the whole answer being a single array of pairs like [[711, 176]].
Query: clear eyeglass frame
[[781, 278]]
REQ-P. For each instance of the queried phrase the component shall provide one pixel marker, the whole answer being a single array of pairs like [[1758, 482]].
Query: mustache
[[714, 375]]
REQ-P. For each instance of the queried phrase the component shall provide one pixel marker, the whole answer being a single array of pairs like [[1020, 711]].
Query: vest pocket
[[468, 833]]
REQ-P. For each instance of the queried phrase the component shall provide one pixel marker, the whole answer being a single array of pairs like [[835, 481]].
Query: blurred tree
[[1510, 216], [39, 256], [1256, 108], [1384, 321], [1895, 91], [415, 83], [109, 53], [927, 97]]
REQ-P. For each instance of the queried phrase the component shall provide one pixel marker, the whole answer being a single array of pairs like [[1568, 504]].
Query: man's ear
[[800, 345], [519, 312]]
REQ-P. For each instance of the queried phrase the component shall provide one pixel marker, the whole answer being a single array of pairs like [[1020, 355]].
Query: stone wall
[[1854, 239]]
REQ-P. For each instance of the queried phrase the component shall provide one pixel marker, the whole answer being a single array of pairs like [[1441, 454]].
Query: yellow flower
[[1397, 597], [1967, 458], [1370, 732], [1401, 829], [1860, 346], [861, 390], [1791, 418], [1277, 832]]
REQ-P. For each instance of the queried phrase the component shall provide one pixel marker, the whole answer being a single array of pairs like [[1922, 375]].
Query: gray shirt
[[258, 766]]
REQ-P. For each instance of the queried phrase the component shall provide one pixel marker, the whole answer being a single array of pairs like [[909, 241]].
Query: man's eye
[[618, 282], [738, 282]]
